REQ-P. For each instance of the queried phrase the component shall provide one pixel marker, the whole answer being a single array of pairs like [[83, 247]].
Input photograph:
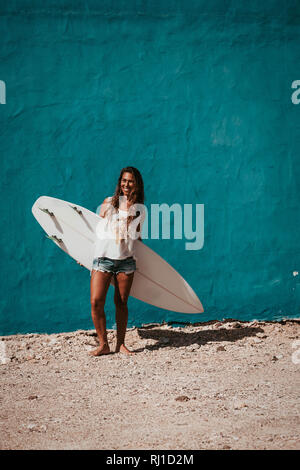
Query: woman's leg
[[123, 283], [99, 286]]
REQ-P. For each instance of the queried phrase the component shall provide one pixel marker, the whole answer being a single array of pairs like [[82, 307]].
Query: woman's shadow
[[174, 338]]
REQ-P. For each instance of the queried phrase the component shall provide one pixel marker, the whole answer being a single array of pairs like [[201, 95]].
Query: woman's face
[[127, 183]]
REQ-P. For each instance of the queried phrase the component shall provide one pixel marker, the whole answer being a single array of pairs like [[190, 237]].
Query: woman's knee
[[121, 300], [97, 303]]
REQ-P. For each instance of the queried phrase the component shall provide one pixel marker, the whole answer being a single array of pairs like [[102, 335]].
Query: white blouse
[[114, 240]]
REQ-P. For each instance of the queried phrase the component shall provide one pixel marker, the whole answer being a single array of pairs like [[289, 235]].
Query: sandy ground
[[215, 385]]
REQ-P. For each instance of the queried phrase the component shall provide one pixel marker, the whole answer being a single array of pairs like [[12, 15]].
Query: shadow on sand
[[178, 338]]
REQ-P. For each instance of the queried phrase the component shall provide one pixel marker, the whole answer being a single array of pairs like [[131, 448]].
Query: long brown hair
[[137, 196]]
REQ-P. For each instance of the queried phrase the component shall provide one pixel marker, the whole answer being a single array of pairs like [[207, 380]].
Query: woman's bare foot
[[104, 349], [122, 349]]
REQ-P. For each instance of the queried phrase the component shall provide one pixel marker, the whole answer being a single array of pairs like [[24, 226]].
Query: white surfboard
[[73, 229]]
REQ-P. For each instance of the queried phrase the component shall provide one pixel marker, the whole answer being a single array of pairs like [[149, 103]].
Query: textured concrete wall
[[195, 94]]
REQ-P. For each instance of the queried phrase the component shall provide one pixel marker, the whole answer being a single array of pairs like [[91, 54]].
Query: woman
[[115, 256]]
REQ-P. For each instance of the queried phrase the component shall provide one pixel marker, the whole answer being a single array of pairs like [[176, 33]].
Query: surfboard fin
[[54, 238], [47, 211], [76, 209]]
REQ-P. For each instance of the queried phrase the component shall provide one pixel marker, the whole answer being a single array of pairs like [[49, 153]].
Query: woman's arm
[[104, 207]]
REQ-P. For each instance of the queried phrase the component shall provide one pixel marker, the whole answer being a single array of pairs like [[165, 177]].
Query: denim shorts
[[114, 266]]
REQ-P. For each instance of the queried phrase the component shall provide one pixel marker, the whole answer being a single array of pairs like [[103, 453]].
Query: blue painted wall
[[195, 94]]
